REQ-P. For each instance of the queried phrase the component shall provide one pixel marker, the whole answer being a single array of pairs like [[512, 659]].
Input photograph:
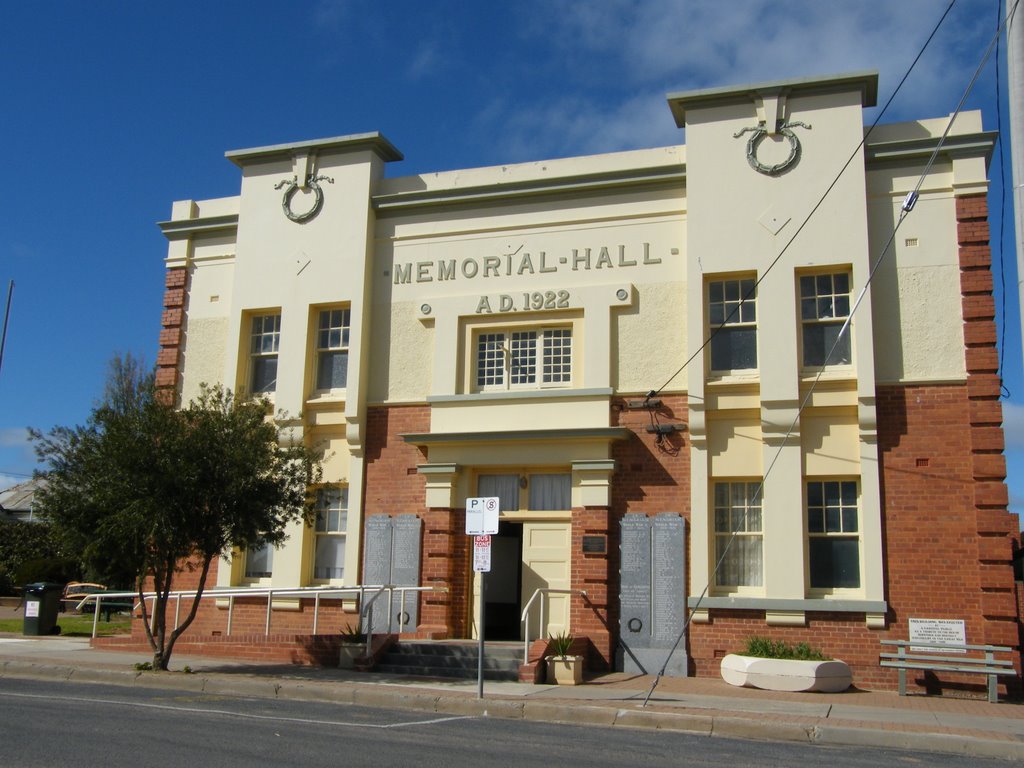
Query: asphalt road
[[66, 724]]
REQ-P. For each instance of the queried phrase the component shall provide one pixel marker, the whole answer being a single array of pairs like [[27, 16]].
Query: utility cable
[[905, 209], [1002, 203]]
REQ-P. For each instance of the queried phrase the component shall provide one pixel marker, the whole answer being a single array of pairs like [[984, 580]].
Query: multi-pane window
[[331, 524], [263, 348], [732, 318], [833, 534], [332, 349], [259, 562], [738, 534], [537, 357], [824, 308]]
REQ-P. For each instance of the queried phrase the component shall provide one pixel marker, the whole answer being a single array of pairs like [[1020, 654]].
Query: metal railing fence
[[543, 592], [358, 592]]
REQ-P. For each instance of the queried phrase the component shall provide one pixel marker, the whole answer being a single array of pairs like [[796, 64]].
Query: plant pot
[[830, 676], [349, 653], [565, 670]]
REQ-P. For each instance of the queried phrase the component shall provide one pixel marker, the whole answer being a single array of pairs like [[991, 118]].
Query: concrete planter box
[[349, 653], [565, 670], [830, 676]]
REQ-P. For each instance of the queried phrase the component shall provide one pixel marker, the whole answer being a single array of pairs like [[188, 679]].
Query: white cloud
[[619, 58], [331, 15], [426, 60], [7, 481], [14, 437]]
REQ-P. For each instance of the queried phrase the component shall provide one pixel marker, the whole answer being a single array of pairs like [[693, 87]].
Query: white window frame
[[331, 339], [331, 523], [821, 308], [734, 312], [264, 345], [528, 357], [751, 532], [263, 577], [847, 526]]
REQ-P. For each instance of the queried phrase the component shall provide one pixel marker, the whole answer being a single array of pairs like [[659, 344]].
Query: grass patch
[[75, 625]]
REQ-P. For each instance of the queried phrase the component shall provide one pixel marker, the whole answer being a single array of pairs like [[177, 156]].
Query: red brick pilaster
[[591, 616], [996, 527], [172, 335]]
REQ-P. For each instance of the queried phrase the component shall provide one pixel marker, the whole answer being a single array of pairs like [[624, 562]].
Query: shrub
[[352, 634], [561, 644], [766, 648]]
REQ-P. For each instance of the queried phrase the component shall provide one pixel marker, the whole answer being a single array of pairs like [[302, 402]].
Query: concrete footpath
[[708, 707]]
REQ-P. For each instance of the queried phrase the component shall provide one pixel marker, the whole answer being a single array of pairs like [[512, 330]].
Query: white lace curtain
[[548, 491]]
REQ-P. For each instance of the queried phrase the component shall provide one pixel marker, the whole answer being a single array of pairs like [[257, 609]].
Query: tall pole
[[7, 314], [1015, 87]]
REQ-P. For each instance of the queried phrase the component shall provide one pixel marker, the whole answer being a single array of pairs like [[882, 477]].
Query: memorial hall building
[[750, 377]]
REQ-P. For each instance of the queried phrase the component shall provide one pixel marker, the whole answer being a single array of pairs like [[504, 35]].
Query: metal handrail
[[270, 592], [525, 619]]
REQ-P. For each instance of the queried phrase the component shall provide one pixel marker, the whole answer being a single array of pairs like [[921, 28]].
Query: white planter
[[565, 670], [349, 653], [830, 676]]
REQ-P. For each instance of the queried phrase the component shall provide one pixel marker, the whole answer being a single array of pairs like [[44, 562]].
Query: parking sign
[[482, 515]]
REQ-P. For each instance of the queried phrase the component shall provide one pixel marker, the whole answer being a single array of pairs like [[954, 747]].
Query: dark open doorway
[[503, 591]]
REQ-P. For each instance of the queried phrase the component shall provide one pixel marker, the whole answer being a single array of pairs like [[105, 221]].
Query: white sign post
[[482, 522]]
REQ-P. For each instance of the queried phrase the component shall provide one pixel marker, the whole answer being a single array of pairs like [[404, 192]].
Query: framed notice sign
[[946, 631]]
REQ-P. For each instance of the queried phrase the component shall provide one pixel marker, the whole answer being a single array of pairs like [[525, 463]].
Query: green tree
[[149, 490], [31, 552]]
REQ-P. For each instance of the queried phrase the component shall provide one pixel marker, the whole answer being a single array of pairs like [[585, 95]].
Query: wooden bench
[[76, 591], [912, 655]]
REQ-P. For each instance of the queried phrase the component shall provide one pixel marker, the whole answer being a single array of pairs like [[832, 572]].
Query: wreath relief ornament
[[760, 132], [292, 184]]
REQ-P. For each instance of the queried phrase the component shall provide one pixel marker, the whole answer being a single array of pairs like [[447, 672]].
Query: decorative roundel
[[635, 625], [622, 294], [292, 187], [760, 132], [425, 309]]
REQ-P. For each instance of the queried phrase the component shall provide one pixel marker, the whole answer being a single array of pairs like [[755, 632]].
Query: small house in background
[[17, 502]]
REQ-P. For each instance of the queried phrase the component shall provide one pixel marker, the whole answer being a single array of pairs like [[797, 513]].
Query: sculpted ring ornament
[[760, 132], [292, 185]]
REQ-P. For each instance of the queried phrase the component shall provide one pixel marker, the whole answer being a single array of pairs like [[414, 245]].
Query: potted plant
[[775, 666], [353, 646], [563, 668]]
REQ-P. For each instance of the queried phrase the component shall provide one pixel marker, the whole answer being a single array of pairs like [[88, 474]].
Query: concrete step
[[448, 659]]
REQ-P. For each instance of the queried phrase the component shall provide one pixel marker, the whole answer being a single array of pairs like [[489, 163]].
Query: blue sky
[[112, 110]]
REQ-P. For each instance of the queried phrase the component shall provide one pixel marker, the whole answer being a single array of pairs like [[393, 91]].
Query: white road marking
[[244, 715]]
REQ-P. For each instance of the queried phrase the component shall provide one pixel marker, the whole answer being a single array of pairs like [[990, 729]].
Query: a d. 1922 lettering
[[510, 302]]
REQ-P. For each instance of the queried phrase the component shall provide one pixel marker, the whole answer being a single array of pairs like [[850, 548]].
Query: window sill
[[521, 394], [327, 398], [844, 373], [733, 379], [749, 603]]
